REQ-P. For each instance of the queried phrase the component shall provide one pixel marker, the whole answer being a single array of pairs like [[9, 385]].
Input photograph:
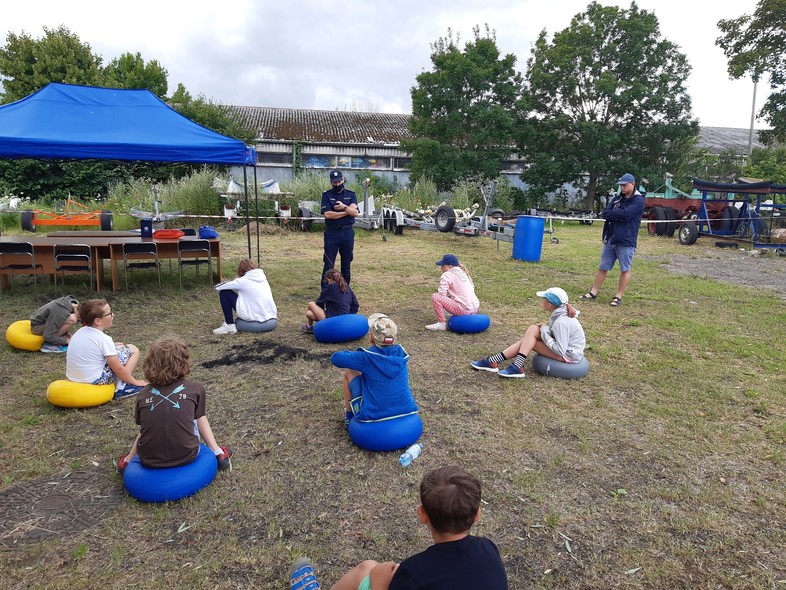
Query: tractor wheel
[[445, 219], [671, 227], [28, 220], [660, 215], [688, 233], [107, 222]]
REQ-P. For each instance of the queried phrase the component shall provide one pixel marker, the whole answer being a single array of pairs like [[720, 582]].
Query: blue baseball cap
[[448, 259], [626, 178], [336, 176]]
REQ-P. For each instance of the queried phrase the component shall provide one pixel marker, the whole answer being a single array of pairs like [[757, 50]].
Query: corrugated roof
[[719, 139], [325, 126], [386, 128]]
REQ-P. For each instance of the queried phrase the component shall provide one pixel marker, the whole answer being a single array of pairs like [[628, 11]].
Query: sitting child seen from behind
[[449, 506], [337, 298], [170, 412], [561, 339]]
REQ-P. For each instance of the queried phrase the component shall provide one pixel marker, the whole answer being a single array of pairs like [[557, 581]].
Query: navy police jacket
[[329, 199]]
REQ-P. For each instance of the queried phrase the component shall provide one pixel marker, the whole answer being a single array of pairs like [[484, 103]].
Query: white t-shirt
[[87, 354]]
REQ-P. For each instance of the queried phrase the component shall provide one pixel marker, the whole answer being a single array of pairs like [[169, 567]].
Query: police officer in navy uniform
[[339, 207]]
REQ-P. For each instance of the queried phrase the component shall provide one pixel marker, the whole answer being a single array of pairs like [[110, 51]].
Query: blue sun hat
[[554, 295], [450, 259]]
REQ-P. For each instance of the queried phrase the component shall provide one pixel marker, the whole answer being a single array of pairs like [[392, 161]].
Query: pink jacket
[[455, 284]]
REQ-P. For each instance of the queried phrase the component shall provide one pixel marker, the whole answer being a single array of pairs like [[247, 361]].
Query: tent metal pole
[[256, 212], [245, 190]]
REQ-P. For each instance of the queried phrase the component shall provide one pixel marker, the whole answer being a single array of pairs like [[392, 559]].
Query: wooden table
[[103, 245]]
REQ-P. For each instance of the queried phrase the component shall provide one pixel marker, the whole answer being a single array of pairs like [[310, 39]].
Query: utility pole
[[753, 117]]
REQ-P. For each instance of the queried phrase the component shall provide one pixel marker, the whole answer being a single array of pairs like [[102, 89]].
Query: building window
[[371, 163], [402, 163], [318, 161], [267, 159]]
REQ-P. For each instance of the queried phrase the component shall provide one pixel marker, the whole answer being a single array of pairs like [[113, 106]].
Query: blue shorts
[[108, 375], [611, 254], [356, 395]]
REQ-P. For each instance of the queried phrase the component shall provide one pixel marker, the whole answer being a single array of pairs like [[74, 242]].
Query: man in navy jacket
[[620, 232]]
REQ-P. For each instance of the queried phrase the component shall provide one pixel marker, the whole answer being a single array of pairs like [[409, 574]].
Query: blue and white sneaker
[[53, 348], [302, 575], [128, 390], [513, 371], [485, 365]]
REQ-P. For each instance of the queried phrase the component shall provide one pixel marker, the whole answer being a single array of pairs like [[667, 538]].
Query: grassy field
[[664, 468]]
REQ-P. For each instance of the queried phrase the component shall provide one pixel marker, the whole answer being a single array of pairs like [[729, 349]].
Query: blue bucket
[[528, 238]]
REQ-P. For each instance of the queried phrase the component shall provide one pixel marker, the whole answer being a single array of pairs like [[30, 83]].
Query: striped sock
[[497, 358], [520, 360]]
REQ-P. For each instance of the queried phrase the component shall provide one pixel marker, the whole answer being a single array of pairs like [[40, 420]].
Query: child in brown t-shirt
[[170, 412]]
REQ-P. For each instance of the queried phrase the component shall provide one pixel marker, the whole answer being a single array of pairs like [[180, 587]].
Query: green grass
[[683, 409]]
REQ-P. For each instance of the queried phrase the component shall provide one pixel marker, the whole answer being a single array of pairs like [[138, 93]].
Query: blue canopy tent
[[66, 122]]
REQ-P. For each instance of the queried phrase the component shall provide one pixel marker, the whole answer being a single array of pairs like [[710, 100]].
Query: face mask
[[338, 189]]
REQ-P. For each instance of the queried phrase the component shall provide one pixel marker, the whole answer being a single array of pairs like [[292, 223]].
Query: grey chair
[[19, 258], [194, 253], [73, 258], [141, 255]]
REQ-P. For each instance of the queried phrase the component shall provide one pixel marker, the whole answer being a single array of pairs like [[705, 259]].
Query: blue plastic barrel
[[528, 238]]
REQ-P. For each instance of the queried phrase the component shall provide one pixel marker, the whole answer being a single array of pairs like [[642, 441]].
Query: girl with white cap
[[561, 339]]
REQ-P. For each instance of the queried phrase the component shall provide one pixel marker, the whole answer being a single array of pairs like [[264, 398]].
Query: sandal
[[616, 301], [588, 295], [302, 575]]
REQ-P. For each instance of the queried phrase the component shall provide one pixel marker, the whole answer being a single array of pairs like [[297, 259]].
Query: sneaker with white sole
[[226, 329], [53, 348], [438, 327], [512, 371], [485, 365]]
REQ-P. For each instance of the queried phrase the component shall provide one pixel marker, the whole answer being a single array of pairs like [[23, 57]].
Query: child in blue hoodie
[[376, 379]]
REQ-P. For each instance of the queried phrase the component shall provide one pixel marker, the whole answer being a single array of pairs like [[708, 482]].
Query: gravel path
[[752, 268]]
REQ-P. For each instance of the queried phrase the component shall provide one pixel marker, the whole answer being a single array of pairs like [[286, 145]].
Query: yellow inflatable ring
[[20, 336], [68, 394]]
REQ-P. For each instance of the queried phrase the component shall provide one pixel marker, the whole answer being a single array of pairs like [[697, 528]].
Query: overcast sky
[[322, 54]]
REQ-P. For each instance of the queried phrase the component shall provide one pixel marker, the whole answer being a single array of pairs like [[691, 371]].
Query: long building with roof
[[354, 141]]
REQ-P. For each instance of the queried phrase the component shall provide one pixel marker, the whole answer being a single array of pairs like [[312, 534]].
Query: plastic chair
[[193, 253], [74, 258], [19, 258], [141, 255]]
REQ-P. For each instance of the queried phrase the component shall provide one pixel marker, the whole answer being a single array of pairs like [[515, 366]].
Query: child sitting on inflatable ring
[[170, 412], [53, 321], [93, 357], [561, 339], [456, 292], [248, 295], [449, 506], [336, 299], [376, 379]]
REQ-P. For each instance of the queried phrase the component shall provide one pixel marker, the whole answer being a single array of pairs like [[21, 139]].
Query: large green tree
[[756, 45], [130, 71], [28, 64], [605, 96], [463, 111]]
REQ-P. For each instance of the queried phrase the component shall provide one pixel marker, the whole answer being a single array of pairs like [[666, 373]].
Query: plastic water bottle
[[410, 454]]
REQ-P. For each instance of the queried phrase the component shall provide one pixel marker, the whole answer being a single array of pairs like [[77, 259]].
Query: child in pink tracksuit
[[456, 293]]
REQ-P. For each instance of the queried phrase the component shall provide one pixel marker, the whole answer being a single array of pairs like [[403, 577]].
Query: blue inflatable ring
[[387, 435], [341, 328], [171, 483], [553, 368], [469, 324], [249, 326]]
